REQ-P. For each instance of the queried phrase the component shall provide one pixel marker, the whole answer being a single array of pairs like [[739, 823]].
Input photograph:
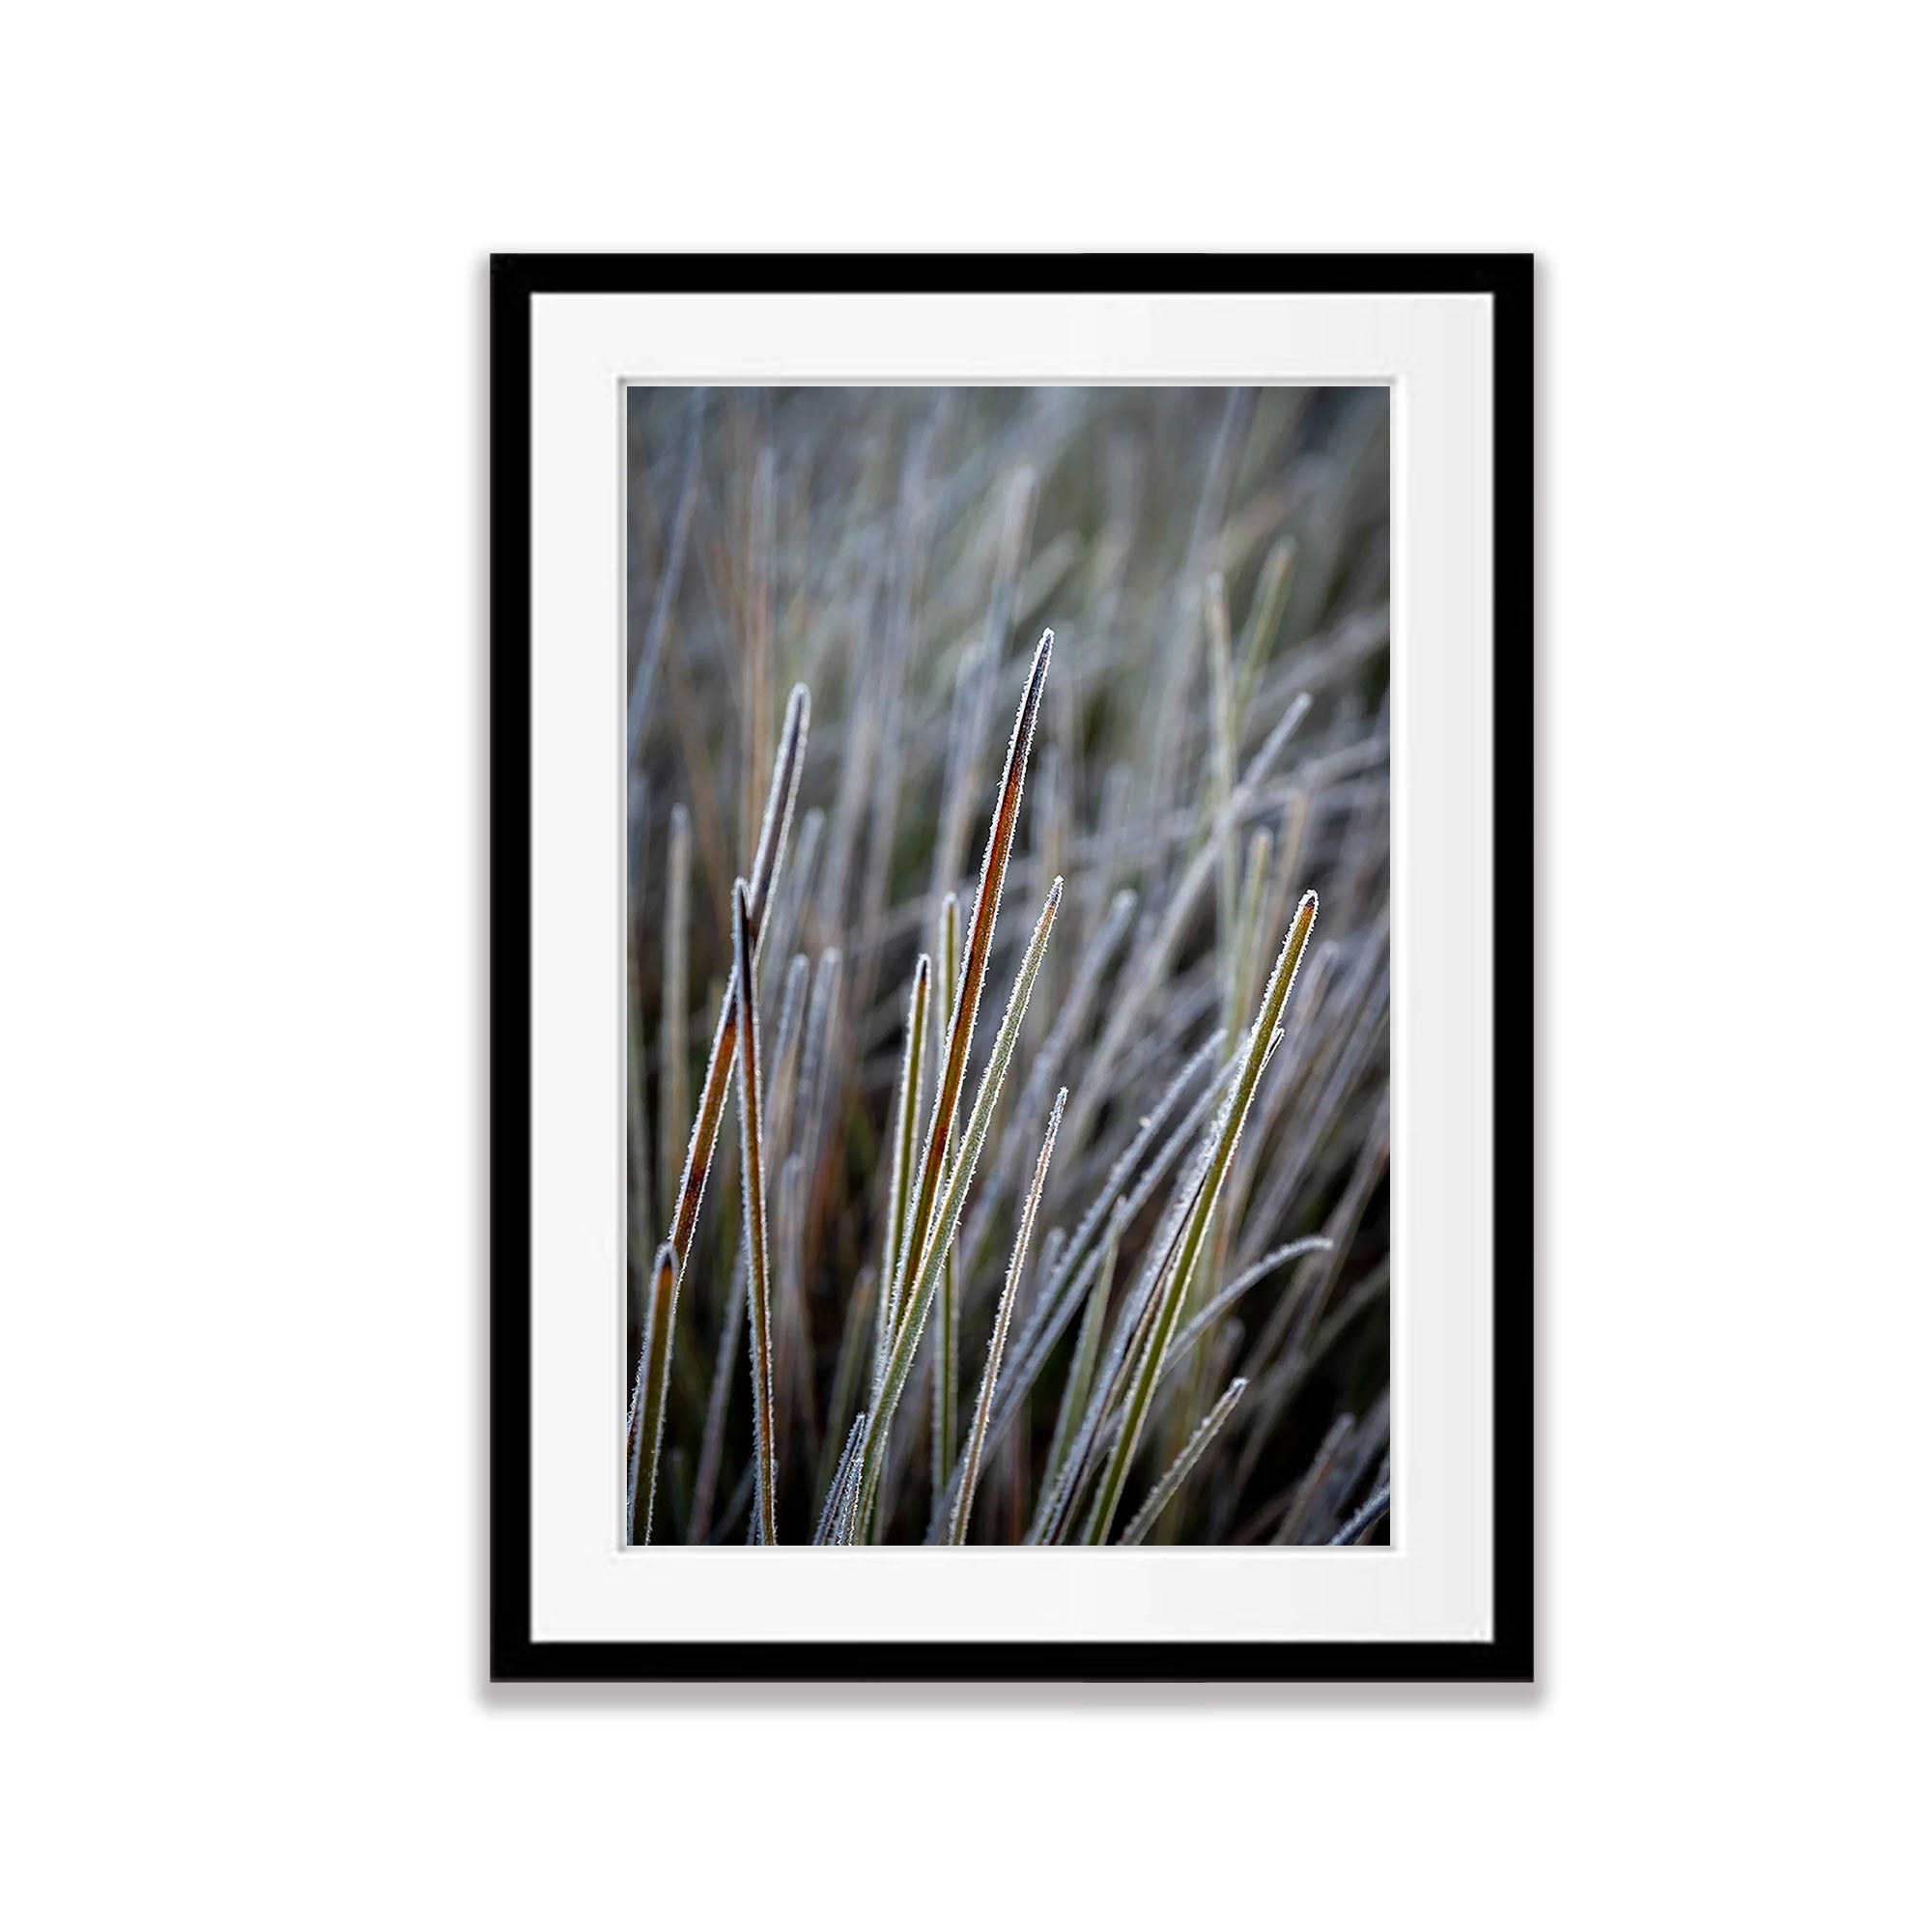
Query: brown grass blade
[[752, 1158], [1171, 1295], [653, 1385], [979, 949], [724, 1043]]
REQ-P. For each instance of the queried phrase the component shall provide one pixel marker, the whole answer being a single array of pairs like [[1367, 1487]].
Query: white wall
[[241, 797]]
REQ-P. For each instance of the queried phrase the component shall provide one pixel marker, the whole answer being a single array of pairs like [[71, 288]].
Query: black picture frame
[[515, 1656]]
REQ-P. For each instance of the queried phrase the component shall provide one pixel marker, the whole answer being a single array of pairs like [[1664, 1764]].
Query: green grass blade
[[1248, 928], [1171, 1295], [1263, 616]]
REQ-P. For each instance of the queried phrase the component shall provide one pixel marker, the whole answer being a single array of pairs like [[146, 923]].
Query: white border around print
[[1433, 1581]]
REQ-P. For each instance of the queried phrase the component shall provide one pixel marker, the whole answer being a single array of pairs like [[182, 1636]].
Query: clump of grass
[[797, 1349]]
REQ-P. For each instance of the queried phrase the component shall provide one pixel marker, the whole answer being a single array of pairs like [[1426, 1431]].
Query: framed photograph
[[1011, 968]]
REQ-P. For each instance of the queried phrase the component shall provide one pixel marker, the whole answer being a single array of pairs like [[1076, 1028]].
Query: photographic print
[[1010, 993], [1007, 946]]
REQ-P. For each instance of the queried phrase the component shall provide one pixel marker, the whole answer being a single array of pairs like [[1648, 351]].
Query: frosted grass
[[1212, 741]]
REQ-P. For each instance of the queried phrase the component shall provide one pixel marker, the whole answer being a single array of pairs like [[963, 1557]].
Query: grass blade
[[724, 1043], [640, 1204], [972, 973], [717, 1410], [1364, 1519], [779, 1092], [1309, 1244], [1162, 1493], [835, 1493], [847, 1486], [1248, 927], [1170, 707], [821, 1020], [1262, 1040], [1153, 960], [782, 1076], [674, 1039], [786, 919], [1044, 1072], [1181, 1347], [653, 1385], [1301, 1499], [919, 1011], [1086, 1354], [945, 1327], [983, 1412], [1263, 616], [1056, 1512], [1221, 788], [752, 1160], [758, 660], [792, 1331], [860, 1307]]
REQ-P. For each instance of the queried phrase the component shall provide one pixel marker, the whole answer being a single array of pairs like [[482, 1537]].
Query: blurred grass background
[[899, 550]]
